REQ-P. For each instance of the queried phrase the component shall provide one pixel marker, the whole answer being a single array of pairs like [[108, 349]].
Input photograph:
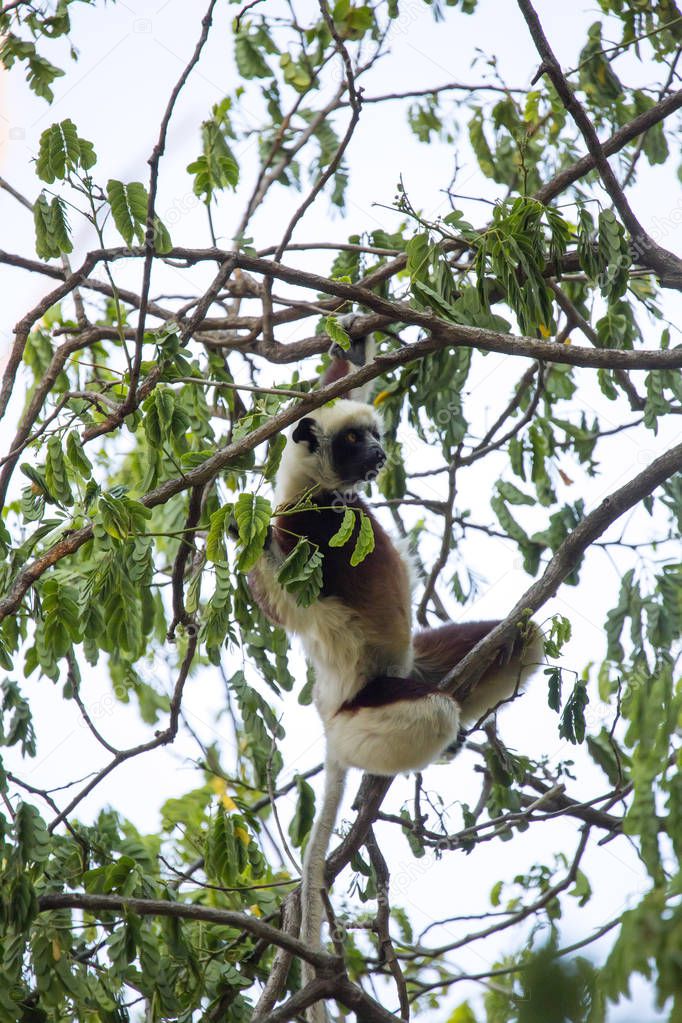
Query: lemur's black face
[[357, 454], [346, 457]]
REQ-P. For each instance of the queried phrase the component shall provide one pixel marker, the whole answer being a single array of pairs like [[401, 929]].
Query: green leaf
[[61, 624], [507, 520], [61, 151], [76, 455], [193, 592], [336, 332], [572, 726], [345, 530], [121, 516], [418, 252], [252, 513], [58, 151], [512, 495], [216, 622], [217, 168], [462, 1014], [5, 659], [365, 542], [40, 72], [302, 821], [215, 538], [496, 894], [582, 889], [51, 227], [56, 476], [129, 209], [275, 451], [162, 238], [113, 877], [249, 60], [41, 75], [553, 688], [301, 572], [414, 839], [607, 755], [20, 903], [32, 837]]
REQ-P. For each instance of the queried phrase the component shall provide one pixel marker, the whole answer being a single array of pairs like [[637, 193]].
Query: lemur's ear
[[305, 431]]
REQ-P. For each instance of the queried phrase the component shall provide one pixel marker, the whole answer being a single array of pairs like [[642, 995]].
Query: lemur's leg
[[438, 650]]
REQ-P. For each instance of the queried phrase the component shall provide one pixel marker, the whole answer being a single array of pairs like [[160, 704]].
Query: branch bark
[[187, 911], [663, 262], [464, 676], [443, 335]]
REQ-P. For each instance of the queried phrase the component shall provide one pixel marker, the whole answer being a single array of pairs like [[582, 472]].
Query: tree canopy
[[525, 323]]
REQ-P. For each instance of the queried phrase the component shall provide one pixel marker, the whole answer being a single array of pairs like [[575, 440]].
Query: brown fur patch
[[385, 690], [377, 589], [337, 369], [438, 650]]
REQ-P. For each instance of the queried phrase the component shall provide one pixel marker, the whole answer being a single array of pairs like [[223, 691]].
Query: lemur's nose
[[377, 456]]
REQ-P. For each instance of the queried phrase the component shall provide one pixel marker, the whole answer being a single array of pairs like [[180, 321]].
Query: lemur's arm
[[273, 600], [362, 350]]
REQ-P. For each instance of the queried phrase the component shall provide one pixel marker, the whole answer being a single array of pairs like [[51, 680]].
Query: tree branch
[[630, 131], [149, 246], [665, 263], [187, 911], [443, 335], [161, 738], [466, 673]]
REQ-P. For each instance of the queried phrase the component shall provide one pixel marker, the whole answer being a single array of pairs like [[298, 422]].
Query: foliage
[[136, 490]]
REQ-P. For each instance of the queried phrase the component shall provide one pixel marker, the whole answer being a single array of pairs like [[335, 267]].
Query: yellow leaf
[[462, 1014], [544, 330], [381, 397], [242, 835], [256, 910], [219, 786], [56, 950]]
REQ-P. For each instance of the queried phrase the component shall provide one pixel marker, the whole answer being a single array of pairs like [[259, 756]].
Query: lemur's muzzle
[[375, 457]]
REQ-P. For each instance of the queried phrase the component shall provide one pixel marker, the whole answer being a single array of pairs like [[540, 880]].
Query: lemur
[[376, 684]]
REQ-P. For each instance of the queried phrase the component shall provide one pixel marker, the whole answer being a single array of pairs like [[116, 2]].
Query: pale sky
[[130, 56]]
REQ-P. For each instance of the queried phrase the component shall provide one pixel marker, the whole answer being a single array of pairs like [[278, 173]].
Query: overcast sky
[[130, 56]]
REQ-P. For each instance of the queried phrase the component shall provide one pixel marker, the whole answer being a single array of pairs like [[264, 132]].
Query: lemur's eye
[[352, 437]]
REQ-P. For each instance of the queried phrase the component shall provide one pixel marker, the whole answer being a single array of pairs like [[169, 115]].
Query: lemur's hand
[[515, 644], [357, 351]]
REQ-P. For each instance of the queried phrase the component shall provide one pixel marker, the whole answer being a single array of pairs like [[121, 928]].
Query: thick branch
[[467, 672], [443, 333], [186, 911], [637, 126], [331, 981], [665, 263]]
